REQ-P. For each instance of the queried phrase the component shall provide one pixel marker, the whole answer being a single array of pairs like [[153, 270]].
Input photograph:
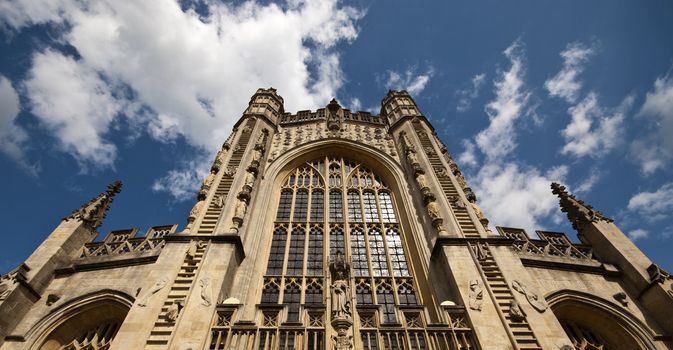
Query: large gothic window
[[327, 207]]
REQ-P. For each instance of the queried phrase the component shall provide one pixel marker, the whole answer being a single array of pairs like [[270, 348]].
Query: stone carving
[[161, 283], [342, 314], [657, 274], [533, 299], [480, 215], [457, 202], [475, 295], [516, 312], [174, 310], [206, 295], [207, 182], [218, 201], [248, 181], [481, 251], [191, 251], [579, 213], [193, 214], [239, 213], [621, 298], [93, 212], [435, 214], [52, 299], [342, 341]]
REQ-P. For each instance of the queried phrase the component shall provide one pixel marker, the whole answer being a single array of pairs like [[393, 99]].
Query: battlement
[[550, 244], [321, 114], [125, 241]]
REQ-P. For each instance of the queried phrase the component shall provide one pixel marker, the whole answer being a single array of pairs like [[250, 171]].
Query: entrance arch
[[88, 322], [594, 323]]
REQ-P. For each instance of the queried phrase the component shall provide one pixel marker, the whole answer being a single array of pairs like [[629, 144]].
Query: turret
[[398, 104], [266, 103]]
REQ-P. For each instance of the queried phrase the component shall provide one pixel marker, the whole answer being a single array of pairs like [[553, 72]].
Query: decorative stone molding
[[206, 292]]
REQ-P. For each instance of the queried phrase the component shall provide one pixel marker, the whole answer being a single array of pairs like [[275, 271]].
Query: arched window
[[320, 215]]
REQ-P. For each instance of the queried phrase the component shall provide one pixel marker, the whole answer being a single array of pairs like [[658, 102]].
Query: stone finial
[[93, 212], [579, 213]]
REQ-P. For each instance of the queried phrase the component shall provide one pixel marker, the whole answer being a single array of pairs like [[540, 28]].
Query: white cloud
[[565, 83], [75, 104], [655, 149], [499, 139], [587, 184], [178, 73], [409, 80], [638, 234], [469, 155], [653, 206], [590, 132], [519, 196], [182, 184], [510, 193], [13, 137], [466, 96]]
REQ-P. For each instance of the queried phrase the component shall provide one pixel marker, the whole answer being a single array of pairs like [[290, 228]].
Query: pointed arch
[[591, 320], [90, 321]]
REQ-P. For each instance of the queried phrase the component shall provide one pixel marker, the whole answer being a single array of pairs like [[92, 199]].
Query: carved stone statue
[[208, 181], [475, 295], [174, 310], [515, 311], [195, 210], [218, 201], [342, 341], [434, 211], [241, 207], [206, 295], [155, 288], [422, 181], [191, 251], [533, 299], [341, 304], [457, 201], [249, 180]]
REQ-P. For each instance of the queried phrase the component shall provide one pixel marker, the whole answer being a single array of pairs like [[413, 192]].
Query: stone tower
[[335, 229]]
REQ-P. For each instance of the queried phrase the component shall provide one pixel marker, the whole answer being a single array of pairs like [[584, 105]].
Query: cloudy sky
[[522, 92]]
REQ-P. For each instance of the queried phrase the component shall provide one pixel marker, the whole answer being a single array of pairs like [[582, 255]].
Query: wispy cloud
[[409, 80], [466, 96], [594, 130], [588, 183], [565, 83], [638, 233], [511, 193], [653, 206], [654, 150], [511, 99], [169, 71], [13, 138]]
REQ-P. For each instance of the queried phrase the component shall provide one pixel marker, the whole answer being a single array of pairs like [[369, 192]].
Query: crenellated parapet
[[549, 244], [397, 105], [266, 103]]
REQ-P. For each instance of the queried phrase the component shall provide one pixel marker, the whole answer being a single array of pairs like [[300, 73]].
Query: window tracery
[[319, 214]]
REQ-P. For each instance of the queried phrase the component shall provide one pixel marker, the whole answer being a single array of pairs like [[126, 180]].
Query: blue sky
[[521, 92]]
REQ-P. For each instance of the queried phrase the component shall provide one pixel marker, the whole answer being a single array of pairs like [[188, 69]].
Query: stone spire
[[93, 212], [579, 213]]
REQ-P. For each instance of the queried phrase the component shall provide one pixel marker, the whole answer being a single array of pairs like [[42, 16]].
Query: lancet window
[[327, 207]]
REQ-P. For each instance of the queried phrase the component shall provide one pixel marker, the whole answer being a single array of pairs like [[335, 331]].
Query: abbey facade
[[336, 230]]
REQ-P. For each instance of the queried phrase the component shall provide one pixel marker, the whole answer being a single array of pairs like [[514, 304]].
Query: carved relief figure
[[174, 310], [515, 311], [241, 207], [155, 288], [433, 211], [422, 181], [208, 181], [249, 180], [206, 295], [191, 251], [533, 299], [475, 295]]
